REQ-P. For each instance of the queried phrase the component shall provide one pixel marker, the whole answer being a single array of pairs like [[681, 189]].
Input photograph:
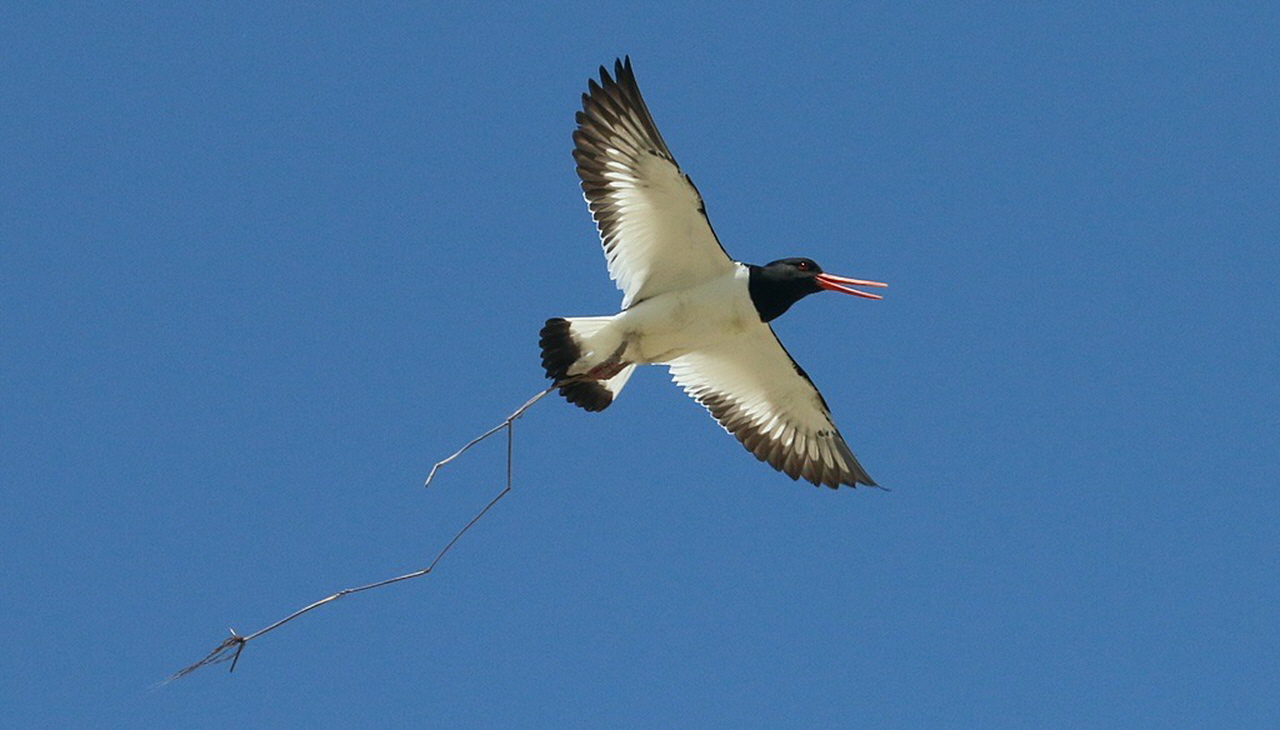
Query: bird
[[686, 303]]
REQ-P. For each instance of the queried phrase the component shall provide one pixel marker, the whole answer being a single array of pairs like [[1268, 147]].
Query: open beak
[[844, 285]]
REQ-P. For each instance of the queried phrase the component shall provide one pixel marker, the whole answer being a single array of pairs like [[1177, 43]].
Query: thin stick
[[505, 424], [232, 646]]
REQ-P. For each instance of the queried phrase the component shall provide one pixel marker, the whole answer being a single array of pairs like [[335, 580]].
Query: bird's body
[[686, 304], [664, 327]]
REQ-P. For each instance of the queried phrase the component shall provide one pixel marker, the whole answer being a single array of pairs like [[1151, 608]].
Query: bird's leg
[[610, 367]]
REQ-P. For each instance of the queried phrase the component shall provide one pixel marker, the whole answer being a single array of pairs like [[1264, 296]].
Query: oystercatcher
[[685, 303]]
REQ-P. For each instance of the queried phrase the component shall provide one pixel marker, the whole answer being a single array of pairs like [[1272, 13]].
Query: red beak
[[831, 282]]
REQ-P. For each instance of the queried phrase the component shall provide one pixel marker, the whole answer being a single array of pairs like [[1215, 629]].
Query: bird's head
[[779, 284]]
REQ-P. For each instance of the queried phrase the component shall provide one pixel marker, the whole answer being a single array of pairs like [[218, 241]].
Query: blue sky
[[262, 264]]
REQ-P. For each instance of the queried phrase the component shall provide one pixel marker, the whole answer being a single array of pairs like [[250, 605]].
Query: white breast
[[666, 326]]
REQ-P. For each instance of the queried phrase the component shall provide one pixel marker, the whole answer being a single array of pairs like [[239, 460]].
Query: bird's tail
[[569, 361]]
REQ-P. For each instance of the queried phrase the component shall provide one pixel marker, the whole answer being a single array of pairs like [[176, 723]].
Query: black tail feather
[[559, 353]]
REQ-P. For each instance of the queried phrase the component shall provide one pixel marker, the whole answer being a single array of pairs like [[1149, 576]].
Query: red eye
[[804, 266]]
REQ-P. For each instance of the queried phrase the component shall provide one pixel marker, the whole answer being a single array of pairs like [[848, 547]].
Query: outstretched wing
[[651, 219], [759, 394]]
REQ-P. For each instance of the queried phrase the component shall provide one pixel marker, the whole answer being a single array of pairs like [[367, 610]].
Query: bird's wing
[[652, 222], [753, 387]]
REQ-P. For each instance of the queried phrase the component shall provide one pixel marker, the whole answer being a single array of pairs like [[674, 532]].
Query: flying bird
[[685, 303]]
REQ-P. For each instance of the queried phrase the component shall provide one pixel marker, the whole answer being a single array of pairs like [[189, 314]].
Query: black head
[[775, 286]]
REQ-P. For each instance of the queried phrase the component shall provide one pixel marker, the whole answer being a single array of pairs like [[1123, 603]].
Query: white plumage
[[685, 302]]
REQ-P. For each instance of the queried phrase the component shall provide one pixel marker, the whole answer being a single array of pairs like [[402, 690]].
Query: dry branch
[[231, 647]]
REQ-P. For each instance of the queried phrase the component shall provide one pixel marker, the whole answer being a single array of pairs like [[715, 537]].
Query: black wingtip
[[621, 70]]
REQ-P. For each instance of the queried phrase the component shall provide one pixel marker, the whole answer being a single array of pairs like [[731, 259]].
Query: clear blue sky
[[262, 264]]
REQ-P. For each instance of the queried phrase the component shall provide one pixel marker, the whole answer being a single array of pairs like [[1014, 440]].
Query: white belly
[[669, 325]]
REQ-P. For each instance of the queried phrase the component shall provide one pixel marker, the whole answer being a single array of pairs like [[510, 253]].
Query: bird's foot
[[613, 365]]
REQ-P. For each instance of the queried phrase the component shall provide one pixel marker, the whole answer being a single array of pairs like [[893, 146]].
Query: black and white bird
[[685, 303]]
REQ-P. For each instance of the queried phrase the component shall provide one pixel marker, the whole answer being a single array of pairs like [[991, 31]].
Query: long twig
[[231, 647]]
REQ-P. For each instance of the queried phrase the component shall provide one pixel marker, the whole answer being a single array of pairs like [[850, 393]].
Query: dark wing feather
[[651, 219], [753, 387]]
